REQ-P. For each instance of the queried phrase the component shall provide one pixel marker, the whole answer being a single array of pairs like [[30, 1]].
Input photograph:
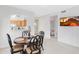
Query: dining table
[[22, 41]]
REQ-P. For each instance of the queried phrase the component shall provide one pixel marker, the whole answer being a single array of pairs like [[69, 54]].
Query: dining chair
[[33, 47], [14, 48], [41, 33], [26, 34]]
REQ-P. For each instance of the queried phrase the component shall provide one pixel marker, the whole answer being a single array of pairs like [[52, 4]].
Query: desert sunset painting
[[69, 21]]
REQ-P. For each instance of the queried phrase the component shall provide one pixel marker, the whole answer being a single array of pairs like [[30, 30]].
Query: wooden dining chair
[[26, 34], [14, 48], [34, 47], [41, 33]]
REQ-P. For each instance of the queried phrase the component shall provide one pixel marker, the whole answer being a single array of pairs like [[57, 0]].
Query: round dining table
[[22, 41]]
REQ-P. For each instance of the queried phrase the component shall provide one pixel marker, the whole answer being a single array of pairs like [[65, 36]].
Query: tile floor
[[52, 46]]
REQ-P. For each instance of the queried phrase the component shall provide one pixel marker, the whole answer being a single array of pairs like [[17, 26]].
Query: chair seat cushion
[[18, 47], [33, 51]]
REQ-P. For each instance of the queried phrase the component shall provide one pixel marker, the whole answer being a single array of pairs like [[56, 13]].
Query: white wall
[[5, 12], [69, 35], [44, 25]]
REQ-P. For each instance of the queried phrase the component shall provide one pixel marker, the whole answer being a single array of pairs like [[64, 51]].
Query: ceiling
[[41, 10]]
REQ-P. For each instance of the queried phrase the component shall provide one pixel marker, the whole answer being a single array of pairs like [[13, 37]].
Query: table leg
[[24, 51]]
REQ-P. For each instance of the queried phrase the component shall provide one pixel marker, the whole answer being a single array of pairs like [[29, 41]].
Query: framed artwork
[[69, 21]]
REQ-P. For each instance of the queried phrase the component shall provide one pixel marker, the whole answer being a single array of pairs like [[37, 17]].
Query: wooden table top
[[21, 40]]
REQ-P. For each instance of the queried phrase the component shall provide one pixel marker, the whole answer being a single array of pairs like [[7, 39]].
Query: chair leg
[[21, 52], [25, 52], [11, 51], [42, 47], [39, 52]]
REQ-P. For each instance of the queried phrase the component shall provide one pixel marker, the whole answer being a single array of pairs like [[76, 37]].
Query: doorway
[[53, 26]]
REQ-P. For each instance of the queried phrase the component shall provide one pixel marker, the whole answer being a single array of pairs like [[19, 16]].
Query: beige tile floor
[[52, 46]]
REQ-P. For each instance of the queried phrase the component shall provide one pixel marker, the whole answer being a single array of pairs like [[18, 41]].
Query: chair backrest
[[9, 41], [39, 41], [34, 43], [41, 33], [25, 34]]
